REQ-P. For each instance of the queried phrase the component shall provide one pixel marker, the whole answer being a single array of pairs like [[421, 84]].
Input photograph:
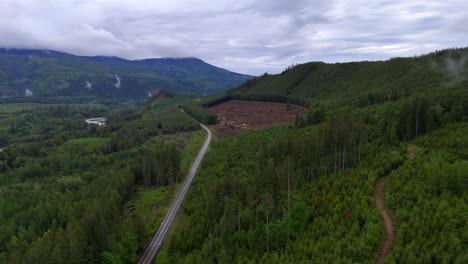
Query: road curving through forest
[[160, 235]]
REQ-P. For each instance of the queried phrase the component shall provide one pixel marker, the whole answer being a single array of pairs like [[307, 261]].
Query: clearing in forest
[[235, 116]]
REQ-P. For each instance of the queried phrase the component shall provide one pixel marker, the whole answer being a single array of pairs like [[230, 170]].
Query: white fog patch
[[454, 68], [28, 92], [117, 79], [100, 121], [89, 85]]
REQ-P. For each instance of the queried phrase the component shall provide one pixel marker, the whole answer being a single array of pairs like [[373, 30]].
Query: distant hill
[[367, 82], [52, 73]]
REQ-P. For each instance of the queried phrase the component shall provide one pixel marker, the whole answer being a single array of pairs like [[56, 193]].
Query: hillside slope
[[304, 193], [52, 73], [367, 82]]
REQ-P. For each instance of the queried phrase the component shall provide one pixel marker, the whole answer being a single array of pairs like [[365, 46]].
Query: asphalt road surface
[[158, 239]]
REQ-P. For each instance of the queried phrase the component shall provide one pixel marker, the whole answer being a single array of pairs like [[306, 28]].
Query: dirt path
[[389, 228], [412, 152]]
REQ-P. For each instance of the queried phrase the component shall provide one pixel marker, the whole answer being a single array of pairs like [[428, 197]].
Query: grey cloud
[[249, 36]]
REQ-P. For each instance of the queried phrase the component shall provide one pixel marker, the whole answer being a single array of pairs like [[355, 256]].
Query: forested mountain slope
[[52, 73], [367, 82], [304, 193]]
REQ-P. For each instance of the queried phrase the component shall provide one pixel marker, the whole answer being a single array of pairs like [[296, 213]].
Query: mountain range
[[26, 72]]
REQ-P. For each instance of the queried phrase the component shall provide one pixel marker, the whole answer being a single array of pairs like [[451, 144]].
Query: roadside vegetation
[[75, 193], [307, 196]]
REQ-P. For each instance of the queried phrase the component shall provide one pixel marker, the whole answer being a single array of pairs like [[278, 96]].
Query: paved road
[[163, 229]]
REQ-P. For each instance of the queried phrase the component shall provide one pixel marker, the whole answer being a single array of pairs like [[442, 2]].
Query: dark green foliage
[[159, 163], [429, 195], [200, 113], [65, 184], [365, 83], [233, 95], [451, 139], [343, 139], [243, 208], [270, 98], [304, 193], [63, 207], [48, 100], [131, 127], [417, 116], [307, 196], [315, 115], [51, 73], [292, 194], [49, 124]]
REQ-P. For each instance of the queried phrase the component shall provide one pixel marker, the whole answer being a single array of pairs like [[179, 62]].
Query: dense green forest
[[282, 207], [78, 193], [368, 82], [305, 193], [300, 193]]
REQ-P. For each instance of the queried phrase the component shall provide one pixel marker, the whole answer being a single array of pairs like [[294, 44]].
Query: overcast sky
[[245, 36]]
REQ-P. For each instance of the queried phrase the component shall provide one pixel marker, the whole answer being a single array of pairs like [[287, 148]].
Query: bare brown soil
[[389, 227], [236, 116]]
